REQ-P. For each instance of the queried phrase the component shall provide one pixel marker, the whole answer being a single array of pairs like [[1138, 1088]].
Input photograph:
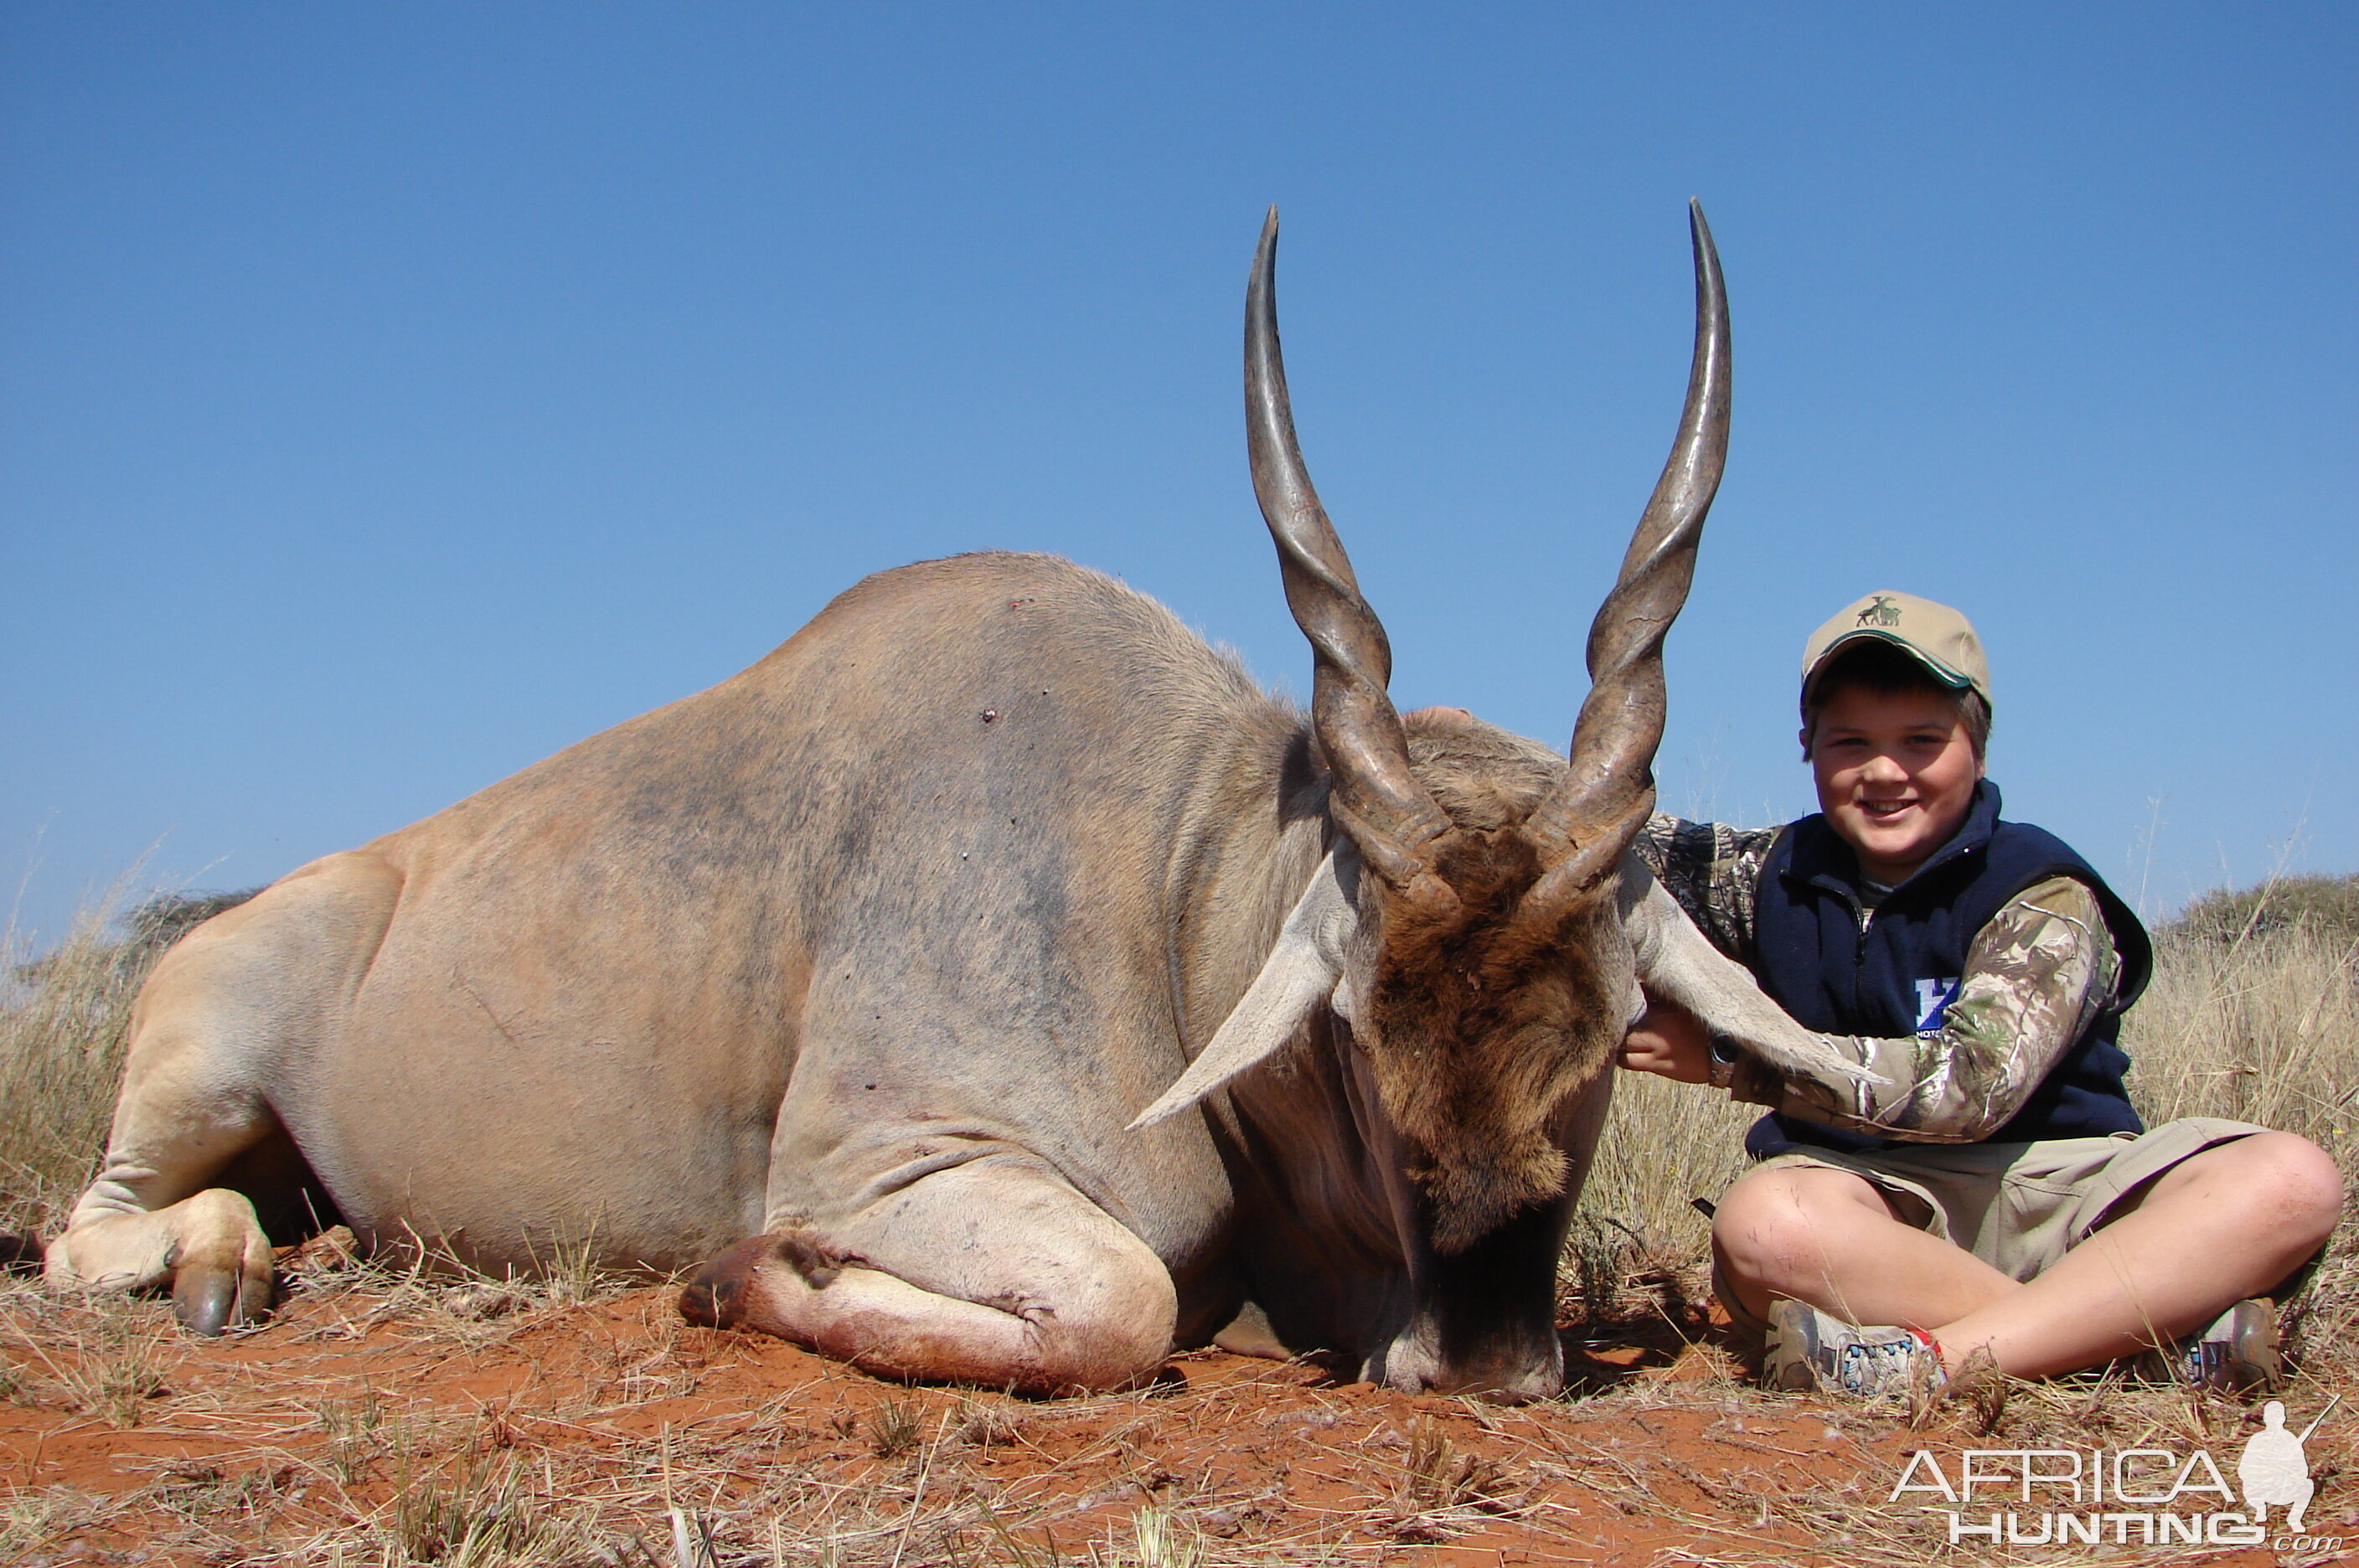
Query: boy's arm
[[2037, 976], [1712, 871]]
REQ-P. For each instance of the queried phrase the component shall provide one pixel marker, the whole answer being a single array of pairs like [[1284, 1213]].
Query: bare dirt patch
[[390, 1419]]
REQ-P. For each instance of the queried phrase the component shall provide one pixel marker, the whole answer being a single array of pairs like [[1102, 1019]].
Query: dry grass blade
[[691, 1541], [16, 1385]]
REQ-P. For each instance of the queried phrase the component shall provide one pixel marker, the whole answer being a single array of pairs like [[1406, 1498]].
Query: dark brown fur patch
[[806, 1255], [1485, 1020], [716, 1296]]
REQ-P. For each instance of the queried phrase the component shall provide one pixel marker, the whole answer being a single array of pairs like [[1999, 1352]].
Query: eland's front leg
[[994, 1272]]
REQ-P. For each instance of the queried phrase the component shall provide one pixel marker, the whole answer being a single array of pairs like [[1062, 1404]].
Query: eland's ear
[[1677, 961], [1299, 973]]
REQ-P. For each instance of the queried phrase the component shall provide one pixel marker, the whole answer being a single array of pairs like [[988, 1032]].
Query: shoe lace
[[2202, 1360], [1871, 1365]]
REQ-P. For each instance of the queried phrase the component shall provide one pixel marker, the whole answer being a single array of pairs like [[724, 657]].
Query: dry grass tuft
[[355, 1434], [982, 1424], [895, 1427], [1157, 1540], [1666, 1146], [63, 1018], [108, 1363], [467, 1513], [2264, 1027], [1436, 1477]]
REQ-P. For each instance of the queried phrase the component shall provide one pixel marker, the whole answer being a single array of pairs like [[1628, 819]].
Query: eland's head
[[1463, 941]]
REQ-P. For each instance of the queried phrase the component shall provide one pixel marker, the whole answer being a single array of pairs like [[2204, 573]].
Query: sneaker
[[2237, 1355], [1807, 1350]]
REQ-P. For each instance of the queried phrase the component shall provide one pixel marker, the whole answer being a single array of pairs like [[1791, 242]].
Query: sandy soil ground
[[385, 1421]]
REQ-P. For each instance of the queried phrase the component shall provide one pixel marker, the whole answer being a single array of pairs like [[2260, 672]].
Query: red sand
[[1263, 1460]]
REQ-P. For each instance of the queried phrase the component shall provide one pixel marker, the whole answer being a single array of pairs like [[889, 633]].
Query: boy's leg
[[1811, 1233], [2228, 1223]]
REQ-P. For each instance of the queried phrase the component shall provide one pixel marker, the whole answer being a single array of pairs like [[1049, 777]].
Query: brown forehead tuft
[[1482, 777]]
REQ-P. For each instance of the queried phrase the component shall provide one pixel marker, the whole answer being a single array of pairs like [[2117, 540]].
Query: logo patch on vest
[[1933, 998]]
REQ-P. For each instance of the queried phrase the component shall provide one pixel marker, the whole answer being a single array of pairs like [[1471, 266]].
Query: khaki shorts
[[2017, 1206]]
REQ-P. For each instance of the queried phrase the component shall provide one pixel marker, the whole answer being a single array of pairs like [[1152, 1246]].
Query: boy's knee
[[1772, 1227], [2285, 1192], [2301, 1181]]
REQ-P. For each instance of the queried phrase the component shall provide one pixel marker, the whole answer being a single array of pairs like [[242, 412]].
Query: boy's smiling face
[[1896, 772]]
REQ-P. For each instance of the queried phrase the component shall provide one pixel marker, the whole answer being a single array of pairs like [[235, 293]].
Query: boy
[[1996, 1194]]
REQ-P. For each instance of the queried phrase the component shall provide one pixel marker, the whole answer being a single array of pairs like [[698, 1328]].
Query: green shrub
[[2328, 905]]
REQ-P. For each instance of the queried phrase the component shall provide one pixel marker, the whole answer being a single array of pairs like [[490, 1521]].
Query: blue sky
[[392, 395]]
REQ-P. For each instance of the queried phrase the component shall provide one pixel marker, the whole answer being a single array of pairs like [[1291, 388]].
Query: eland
[[992, 985]]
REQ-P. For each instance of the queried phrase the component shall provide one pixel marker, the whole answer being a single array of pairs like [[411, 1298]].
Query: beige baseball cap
[[1937, 637]]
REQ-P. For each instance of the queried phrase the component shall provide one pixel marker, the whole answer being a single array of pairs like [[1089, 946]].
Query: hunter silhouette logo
[[1880, 612], [2275, 1470]]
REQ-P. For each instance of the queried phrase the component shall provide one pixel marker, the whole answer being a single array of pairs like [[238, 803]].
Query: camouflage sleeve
[[1713, 871], [2037, 976]]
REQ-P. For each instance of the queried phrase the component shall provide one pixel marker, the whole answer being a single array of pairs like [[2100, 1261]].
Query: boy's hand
[[1669, 1040]]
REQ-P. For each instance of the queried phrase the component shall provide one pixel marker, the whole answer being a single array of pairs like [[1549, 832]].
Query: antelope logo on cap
[[1881, 612]]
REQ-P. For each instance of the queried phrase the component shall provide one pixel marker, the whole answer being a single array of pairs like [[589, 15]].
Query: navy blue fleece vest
[[1893, 975]]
